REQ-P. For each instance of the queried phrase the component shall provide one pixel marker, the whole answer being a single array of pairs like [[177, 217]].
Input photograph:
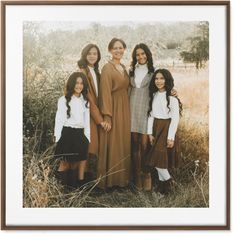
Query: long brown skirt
[[159, 155]]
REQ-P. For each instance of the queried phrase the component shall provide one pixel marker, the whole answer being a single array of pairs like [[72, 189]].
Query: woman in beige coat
[[88, 65], [114, 153]]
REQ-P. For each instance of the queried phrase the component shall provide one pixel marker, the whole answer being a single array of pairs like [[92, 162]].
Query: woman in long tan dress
[[114, 153]]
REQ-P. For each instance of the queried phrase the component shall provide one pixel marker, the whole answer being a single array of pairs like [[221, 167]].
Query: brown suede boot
[[72, 178], [169, 186], [81, 183], [160, 187], [91, 172], [147, 182], [62, 177], [138, 180]]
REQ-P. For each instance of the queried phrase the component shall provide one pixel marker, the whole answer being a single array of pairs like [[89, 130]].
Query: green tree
[[198, 51]]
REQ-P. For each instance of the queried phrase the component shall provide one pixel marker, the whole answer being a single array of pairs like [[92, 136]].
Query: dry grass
[[41, 189], [192, 87]]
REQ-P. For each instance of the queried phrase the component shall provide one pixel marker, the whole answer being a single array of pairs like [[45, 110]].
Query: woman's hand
[[170, 143], [106, 126], [174, 93], [151, 139]]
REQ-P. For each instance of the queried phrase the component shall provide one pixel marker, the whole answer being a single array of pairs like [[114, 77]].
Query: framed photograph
[[140, 142]]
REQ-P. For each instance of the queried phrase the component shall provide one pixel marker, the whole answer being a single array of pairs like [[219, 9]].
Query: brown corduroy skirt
[[159, 155]]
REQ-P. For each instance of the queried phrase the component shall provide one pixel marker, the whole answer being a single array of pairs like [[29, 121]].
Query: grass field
[[41, 188]]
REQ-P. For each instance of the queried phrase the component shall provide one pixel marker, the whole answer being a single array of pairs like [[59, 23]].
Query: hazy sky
[[74, 26]]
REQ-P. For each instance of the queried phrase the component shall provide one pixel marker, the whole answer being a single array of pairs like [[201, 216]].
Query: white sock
[[159, 175], [163, 174]]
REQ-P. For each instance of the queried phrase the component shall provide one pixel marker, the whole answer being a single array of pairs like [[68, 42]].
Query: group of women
[[133, 120]]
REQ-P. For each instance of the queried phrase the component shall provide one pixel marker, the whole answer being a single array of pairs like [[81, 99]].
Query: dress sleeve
[[129, 88], [106, 94], [95, 113], [174, 113], [60, 118], [87, 122]]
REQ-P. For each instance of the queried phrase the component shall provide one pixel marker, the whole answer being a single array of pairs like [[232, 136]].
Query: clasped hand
[[106, 126], [170, 142], [151, 139]]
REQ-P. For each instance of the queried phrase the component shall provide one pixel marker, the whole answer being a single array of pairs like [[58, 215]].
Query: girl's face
[[141, 56], [160, 82], [117, 51], [92, 56], [78, 87]]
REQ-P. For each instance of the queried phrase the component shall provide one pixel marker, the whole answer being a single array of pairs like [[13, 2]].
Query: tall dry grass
[[41, 188]]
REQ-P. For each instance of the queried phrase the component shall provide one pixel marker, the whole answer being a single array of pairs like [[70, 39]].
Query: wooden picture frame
[[7, 134]]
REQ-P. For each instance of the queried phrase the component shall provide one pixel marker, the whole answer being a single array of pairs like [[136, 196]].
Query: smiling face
[[141, 56], [117, 50], [78, 87], [160, 82], [92, 56]]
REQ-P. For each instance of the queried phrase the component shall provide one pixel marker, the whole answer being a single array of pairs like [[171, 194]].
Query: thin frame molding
[[3, 112]]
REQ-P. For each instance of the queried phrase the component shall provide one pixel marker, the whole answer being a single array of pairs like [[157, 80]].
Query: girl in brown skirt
[[164, 112], [72, 131]]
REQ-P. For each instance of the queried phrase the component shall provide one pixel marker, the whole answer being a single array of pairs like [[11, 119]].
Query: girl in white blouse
[[72, 131], [164, 112]]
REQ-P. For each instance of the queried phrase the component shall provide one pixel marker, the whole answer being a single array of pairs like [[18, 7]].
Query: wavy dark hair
[[134, 59], [169, 85], [83, 63], [70, 86], [113, 41]]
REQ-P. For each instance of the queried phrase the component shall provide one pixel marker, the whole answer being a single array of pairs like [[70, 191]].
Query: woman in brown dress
[[89, 66], [114, 153]]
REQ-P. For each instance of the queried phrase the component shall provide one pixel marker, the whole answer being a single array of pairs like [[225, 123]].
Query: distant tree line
[[198, 50]]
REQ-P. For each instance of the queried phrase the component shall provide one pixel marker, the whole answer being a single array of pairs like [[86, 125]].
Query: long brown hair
[[70, 86], [149, 58], [169, 85], [83, 63]]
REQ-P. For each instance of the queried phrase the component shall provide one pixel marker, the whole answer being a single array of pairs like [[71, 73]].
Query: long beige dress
[[114, 151]]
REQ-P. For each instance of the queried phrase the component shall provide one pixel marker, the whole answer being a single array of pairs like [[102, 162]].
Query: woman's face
[[160, 82], [78, 86], [92, 56], [117, 51], [141, 56]]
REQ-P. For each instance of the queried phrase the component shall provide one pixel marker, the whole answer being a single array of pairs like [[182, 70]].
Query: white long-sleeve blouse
[[161, 111], [139, 74], [94, 76], [79, 116]]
